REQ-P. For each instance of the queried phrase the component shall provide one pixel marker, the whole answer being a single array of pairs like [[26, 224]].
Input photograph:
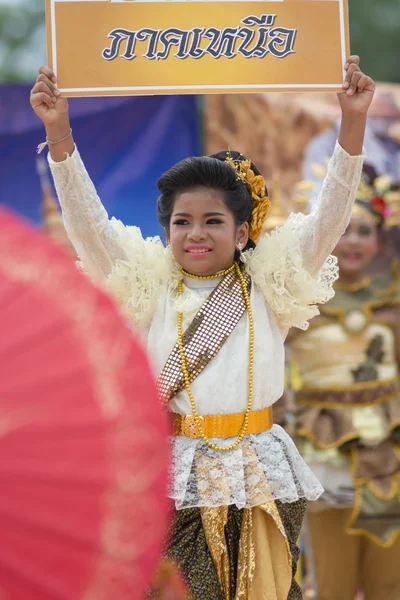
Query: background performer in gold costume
[[348, 422]]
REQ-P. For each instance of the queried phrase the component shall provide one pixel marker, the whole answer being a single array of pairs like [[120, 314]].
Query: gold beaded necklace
[[353, 287], [216, 276], [196, 416]]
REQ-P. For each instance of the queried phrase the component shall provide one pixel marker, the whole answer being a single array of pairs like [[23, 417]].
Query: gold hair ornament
[[361, 212], [256, 184]]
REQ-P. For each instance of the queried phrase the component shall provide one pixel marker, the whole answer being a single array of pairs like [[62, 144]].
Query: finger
[[49, 73], [39, 98], [354, 83], [365, 83], [351, 70], [53, 88], [42, 87], [353, 59]]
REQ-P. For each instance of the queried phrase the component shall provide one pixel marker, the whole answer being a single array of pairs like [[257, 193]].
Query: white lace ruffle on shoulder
[[283, 265], [138, 280], [264, 467], [276, 267]]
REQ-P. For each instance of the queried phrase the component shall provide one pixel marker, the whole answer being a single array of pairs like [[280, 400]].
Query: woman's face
[[357, 246], [202, 232]]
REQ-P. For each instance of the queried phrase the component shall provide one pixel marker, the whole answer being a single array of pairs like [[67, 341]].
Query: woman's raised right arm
[[85, 218]]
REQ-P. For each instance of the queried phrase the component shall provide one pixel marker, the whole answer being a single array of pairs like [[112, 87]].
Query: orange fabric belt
[[220, 426]]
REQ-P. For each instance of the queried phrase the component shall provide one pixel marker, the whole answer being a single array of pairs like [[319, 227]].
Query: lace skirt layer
[[264, 467]]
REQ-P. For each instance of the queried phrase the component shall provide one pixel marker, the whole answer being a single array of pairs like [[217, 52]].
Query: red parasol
[[83, 447]]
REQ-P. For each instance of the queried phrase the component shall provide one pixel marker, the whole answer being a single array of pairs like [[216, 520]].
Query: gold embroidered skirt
[[226, 553]]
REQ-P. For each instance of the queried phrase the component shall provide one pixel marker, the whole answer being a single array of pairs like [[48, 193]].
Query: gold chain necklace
[[185, 372], [353, 287], [216, 276]]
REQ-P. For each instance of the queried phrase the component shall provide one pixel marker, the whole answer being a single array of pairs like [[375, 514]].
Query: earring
[[242, 257]]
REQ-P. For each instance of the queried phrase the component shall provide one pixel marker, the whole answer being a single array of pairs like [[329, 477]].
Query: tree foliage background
[[22, 39], [374, 27]]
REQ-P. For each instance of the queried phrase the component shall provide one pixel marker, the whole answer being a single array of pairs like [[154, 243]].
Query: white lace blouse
[[291, 272]]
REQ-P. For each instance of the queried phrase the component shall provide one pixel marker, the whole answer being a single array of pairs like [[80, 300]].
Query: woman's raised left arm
[[321, 230]]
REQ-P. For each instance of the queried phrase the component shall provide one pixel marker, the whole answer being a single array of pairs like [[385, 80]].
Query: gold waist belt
[[220, 426]]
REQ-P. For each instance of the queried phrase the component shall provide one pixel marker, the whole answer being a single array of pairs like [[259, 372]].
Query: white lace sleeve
[[85, 218], [292, 266], [320, 231], [133, 269]]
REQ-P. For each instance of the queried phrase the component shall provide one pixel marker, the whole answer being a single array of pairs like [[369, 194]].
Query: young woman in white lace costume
[[215, 312]]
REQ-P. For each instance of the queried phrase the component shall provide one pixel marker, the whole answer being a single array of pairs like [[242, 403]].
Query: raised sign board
[[116, 47]]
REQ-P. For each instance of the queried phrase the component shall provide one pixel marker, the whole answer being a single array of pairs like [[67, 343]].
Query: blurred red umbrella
[[83, 450]]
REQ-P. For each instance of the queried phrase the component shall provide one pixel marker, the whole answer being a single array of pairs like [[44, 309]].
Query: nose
[[353, 239], [197, 233]]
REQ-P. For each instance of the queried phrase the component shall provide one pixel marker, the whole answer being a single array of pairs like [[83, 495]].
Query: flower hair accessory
[[256, 184], [371, 195]]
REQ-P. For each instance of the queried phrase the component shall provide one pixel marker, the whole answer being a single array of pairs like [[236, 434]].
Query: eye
[[365, 230], [180, 222], [214, 221]]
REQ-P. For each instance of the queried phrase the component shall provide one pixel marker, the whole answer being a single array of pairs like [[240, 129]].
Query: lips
[[353, 256], [197, 250]]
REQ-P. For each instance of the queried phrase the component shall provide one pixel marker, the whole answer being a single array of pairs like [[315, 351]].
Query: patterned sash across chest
[[206, 334]]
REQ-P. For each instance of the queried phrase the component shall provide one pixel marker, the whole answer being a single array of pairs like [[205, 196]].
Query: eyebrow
[[209, 214]]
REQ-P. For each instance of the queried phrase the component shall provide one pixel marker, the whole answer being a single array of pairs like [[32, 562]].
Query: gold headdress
[[371, 196], [256, 184], [392, 198]]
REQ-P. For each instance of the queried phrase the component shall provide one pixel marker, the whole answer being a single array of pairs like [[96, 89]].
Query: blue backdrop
[[126, 144]]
